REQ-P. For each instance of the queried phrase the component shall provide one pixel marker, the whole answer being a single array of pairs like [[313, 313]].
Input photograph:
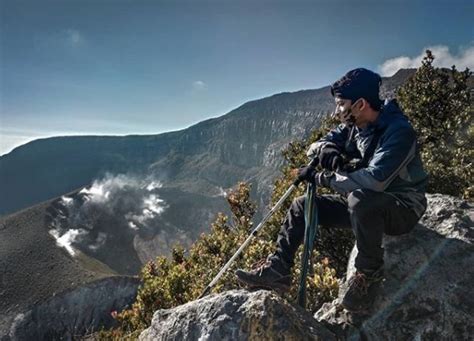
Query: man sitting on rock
[[384, 191]]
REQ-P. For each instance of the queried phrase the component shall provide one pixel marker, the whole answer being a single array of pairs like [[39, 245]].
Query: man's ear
[[363, 104]]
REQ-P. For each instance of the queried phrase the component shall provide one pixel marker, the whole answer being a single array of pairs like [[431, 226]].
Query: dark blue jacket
[[395, 166]]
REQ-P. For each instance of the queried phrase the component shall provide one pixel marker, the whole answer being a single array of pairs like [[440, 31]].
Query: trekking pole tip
[[205, 292]]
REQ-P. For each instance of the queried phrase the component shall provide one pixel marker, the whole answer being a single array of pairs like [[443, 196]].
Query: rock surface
[[236, 315], [427, 292]]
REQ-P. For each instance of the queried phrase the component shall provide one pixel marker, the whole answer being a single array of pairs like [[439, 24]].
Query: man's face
[[358, 113], [343, 111]]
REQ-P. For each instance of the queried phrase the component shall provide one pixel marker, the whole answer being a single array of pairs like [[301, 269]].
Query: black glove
[[323, 179], [306, 174], [330, 157]]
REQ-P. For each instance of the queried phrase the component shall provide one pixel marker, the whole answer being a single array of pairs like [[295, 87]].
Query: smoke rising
[[221, 192], [117, 206]]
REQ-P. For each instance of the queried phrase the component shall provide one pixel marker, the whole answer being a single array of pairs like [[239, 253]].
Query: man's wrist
[[324, 178]]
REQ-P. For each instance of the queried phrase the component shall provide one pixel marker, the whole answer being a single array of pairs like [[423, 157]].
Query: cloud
[[66, 38], [199, 85], [73, 37], [443, 58]]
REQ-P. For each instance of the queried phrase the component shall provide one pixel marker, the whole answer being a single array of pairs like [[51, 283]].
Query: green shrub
[[439, 106]]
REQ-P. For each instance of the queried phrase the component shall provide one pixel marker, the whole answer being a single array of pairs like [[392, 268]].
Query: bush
[[438, 104]]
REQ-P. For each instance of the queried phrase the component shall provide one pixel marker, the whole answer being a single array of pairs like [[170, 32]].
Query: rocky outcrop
[[427, 292], [426, 295], [236, 315], [77, 312]]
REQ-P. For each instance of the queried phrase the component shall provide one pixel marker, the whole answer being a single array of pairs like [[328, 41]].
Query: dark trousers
[[370, 214]]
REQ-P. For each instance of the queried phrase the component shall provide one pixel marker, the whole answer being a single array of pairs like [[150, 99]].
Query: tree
[[438, 104]]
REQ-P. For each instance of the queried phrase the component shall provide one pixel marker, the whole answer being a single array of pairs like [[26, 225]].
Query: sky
[[116, 67]]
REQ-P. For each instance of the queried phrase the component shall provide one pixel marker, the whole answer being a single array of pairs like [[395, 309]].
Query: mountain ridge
[[64, 163]]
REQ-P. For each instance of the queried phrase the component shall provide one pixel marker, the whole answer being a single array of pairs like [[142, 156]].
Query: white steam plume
[[122, 202], [221, 192]]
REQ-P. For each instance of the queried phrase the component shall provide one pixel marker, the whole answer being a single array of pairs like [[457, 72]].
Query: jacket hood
[[390, 111]]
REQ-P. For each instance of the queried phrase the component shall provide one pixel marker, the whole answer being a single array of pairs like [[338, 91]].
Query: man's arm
[[396, 150], [336, 137]]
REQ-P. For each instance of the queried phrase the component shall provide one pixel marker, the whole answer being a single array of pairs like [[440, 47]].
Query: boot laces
[[359, 282], [261, 265]]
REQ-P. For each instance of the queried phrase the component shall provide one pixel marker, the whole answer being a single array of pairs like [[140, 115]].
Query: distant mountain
[[244, 144]]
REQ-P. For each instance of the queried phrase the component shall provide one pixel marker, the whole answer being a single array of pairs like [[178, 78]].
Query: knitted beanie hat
[[359, 83]]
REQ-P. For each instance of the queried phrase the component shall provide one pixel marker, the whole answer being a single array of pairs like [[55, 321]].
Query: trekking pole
[[311, 229], [254, 232]]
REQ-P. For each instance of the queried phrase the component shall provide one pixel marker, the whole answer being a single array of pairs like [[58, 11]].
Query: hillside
[[33, 267]]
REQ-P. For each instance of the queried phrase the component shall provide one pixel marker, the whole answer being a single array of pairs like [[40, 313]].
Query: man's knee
[[299, 202], [363, 201], [297, 205]]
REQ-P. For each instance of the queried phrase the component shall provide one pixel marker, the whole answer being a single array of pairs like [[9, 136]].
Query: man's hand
[[313, 150], [330, 157], [306, 174], [309, 174], [323, 179]]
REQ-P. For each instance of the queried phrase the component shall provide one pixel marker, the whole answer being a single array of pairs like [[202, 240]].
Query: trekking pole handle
[[314, 162], [254, 232]]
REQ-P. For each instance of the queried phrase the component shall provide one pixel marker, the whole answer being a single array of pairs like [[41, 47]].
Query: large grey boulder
[[427, 293], [236, 315]]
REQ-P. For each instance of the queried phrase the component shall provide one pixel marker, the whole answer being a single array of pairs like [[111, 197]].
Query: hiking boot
[[267, 274], [362, 289]]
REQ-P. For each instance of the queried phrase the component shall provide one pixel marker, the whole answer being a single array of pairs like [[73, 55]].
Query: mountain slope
[[241, 145], [33, 267]]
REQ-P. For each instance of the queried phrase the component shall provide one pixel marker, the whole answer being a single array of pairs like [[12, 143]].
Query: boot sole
[[355, 310], [280, 288]]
